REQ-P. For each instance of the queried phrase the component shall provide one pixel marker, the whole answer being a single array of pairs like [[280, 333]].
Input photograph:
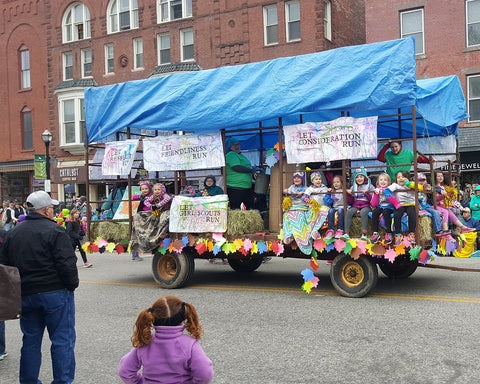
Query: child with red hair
[[168, 355]]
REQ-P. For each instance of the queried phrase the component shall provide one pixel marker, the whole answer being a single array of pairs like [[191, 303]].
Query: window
[[186, 39], [86, 62], [137, 53], [27, 133], [292, 18], [76, 23], [67, 66], [108, 58], [411, 24], [270, 22], [72, 118], [122, 15], [168, 10], [473, 92], [327, 20], [473, 22], [24, 68], [163, 49]]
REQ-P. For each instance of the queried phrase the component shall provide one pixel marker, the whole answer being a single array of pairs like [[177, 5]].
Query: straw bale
[[241, 222], [109, 231]]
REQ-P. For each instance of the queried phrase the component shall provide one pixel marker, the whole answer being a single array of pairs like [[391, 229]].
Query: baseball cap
[[40, 199]]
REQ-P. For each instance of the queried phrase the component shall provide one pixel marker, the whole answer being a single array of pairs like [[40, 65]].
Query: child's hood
[[361, 171]]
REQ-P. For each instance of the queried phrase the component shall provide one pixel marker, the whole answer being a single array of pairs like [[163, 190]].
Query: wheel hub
[[352, 274], [167, 267]]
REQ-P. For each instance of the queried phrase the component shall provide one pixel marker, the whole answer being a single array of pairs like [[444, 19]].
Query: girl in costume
[[384, 204], [334, 200], [167, 355], [145, 192], [74, 229], [362, 190]]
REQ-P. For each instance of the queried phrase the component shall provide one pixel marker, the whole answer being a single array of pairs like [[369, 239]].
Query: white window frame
[[113, 15], [24, 112], [76, 18], [77, 96], [327, 20], [267, 26], [469, 98], [468, 23], [108, 57], [422, 31], [289, 20], [64, 60], [183, 45], [85, 62], [161, 48], [25, 80], [138, 53], [164, 10]]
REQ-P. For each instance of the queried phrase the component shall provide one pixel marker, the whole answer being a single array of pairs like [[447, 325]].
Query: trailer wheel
[[245, 264], [353, 278], [172, 270], [400, 269]]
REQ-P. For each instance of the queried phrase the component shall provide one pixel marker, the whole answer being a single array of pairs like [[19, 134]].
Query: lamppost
[[47, 138]]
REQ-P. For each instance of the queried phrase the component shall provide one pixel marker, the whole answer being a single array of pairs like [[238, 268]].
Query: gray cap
[[40, 199]]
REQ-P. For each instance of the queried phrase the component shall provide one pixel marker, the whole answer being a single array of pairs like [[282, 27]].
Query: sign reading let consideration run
[[343, 138]]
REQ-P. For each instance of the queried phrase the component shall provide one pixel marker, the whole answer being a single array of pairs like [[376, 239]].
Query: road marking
[[299, 291]]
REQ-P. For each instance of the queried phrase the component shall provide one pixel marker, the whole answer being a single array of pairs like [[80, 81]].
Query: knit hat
[[301, 175], [149, 187], [231, 141], [313, 175], [360, 171]]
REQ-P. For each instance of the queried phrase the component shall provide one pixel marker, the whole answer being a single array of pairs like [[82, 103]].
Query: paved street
[[261, 328]]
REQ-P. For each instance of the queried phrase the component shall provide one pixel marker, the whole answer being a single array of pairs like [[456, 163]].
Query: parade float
[[331, 107]]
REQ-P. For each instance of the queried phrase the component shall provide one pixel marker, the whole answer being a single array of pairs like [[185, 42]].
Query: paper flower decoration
[[390, 255]]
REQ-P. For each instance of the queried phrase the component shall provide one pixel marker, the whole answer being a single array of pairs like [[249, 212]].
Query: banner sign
[[119, 156], [199, 214], [122, 212], [182, 153], [40, 167], [343, 138]]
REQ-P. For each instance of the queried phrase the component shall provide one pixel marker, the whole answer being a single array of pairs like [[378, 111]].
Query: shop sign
[[464, 167], [70, 175]]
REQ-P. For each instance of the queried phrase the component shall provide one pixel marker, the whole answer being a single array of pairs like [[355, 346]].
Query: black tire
[[172, 270], [245, 264], [353, 278], [402, 268]]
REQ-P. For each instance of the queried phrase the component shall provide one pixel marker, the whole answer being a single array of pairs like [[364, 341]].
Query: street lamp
[[47, 138]]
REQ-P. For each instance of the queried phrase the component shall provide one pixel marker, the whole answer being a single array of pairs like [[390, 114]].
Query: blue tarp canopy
[[365, 80]]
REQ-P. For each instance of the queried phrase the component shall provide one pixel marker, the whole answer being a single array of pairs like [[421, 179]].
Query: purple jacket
[[171, 357]]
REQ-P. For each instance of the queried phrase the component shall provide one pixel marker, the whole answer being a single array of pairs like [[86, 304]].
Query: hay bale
[[425, 228], [241, 222], [109, 231]]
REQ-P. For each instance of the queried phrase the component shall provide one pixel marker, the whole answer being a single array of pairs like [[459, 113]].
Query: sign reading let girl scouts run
[[343, 138], [182, 153]]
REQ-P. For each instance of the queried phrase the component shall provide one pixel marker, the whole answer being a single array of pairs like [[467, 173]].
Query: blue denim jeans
[[331, 218], [436, 219], [2, 337], [56, 311]]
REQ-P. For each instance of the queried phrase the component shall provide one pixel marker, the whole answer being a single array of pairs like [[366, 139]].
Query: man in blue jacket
[[43, 253]]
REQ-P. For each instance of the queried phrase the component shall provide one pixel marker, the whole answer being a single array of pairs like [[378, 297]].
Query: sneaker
[[224, 261], [211, 261], [411, 238], [329, 234], [398, 239], [444, 232], [345, 237], [388, 238], [364, 236], [316, 235], [375, 237], [137, 258], [467, 229], [87, 265], [3, 355], [338, 234]]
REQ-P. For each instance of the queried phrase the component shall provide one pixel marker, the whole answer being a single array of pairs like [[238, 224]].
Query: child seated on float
[[361, 191], [316, 191], [334, 200], [145, 192], [296, 190], [425, 206]]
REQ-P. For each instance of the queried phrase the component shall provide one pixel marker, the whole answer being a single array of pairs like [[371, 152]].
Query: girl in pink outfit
[[168, 355], [159, 199]]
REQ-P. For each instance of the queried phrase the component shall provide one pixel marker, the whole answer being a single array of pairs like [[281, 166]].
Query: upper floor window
[[473, 97], [71, 109], [108, 58], [67, 66], [292, 18], [270, 24], [24, 67], [122, 15], [186, 39], [327, 20], [473, 22], [168, 10], [86, 62], [27, 132], [76, 23], [411, 24], [163, 49], [137, 53]]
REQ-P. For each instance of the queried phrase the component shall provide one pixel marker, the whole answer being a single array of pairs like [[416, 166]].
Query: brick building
[[447, 37], [52, 50]]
